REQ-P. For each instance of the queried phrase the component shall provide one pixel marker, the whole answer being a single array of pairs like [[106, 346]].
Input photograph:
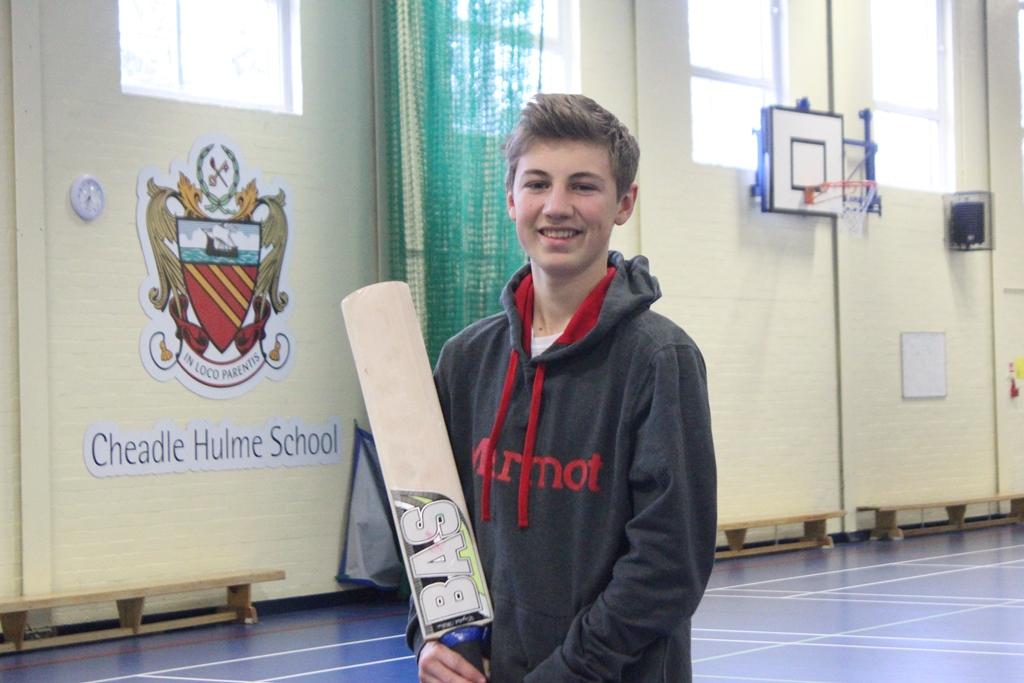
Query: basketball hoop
[[856, 196]]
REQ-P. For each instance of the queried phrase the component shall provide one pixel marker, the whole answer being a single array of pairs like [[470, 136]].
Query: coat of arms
[[215, 248]]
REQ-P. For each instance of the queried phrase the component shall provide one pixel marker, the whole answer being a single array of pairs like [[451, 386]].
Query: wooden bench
[[956, 511], [814, 535], [129, 599]]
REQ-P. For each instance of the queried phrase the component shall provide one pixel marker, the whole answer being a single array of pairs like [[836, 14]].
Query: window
[[199, 51], [1020, 63], [559, 63], [911, 102], [1020, 55], [538, 48], [736, 69], [554, 25]]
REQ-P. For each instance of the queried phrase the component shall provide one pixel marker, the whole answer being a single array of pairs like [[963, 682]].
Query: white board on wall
[[924, 364]]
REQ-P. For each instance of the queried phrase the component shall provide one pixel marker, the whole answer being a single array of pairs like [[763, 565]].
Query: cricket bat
[[431, 520]]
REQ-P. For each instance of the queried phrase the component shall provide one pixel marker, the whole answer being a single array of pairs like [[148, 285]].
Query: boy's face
[[565, 204]]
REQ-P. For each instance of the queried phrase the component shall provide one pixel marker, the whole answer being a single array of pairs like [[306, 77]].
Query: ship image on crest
[[215, 247], [219, 241]]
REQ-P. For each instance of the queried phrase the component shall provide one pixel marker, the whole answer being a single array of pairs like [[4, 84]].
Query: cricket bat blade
[[425, 495]]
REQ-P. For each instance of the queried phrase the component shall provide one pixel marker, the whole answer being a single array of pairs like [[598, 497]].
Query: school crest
[[215, 239]]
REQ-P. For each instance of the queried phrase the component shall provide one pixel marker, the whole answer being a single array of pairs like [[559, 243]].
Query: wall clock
[[87, 197]]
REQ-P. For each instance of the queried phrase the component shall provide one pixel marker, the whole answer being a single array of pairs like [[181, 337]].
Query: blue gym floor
[[948, 607]]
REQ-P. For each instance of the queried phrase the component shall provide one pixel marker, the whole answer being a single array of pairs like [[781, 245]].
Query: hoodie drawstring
[[531, 438], [583, 320], [492, 441]]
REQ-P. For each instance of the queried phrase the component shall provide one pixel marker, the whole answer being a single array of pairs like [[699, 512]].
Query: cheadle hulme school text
[[110, 451]]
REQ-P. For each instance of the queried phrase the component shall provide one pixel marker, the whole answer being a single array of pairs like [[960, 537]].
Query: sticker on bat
[[442, 560]]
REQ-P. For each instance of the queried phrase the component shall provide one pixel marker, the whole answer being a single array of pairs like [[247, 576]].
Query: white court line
[[814, 597], [846, 633], [755, 678], [754, 592], [201, 680], [975, 598], [247, 659], [871, 566], [936, 564], [897, 580], [916, 639], [851, 646], [894, 598], [338, 668], [758, 590]]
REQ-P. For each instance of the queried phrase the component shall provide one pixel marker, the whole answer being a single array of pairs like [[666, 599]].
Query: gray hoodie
[[597, 559]]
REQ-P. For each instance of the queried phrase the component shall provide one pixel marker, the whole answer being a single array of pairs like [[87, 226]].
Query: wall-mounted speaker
[[968, 217]]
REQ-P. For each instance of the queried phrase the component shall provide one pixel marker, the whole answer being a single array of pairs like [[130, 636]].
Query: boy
[[580, 424]]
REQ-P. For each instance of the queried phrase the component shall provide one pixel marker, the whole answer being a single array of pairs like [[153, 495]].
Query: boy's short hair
[[573, 117]]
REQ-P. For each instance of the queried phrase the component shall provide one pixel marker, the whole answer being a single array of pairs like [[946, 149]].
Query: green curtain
[[450, 90]]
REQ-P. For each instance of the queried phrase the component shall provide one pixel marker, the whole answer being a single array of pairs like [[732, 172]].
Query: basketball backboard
[[800, 151]]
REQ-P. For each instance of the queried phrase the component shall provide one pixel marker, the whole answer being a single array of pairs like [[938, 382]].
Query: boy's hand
[[441, 664]]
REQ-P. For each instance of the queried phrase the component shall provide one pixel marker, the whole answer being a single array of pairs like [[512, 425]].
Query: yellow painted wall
[[800, 326], [755, 291], [10, 518], [1003, 94], [807, 418], [90, 531]]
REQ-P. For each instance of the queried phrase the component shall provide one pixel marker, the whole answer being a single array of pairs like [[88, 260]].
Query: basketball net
[[856, 197]]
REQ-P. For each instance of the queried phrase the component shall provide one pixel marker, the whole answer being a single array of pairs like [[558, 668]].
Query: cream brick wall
[[607, 73], [764, 294], [754, 290], [149, 527], [1004, 148], [903, 279], [10, 529], [804, 418]]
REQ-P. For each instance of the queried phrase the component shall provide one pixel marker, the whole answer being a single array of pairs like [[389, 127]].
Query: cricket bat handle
[[468, 641]]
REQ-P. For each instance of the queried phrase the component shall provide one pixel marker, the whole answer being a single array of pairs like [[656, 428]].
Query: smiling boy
[[580, 424]]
